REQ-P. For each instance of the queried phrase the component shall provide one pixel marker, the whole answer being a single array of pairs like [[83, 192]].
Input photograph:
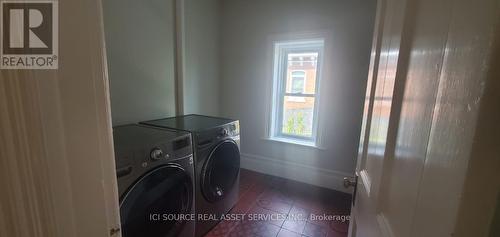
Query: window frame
[[281, 50]]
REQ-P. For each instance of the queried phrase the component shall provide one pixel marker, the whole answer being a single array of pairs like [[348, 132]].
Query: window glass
[[298, 82]]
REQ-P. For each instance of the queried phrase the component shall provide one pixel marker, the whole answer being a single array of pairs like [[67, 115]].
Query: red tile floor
[[291, 204]]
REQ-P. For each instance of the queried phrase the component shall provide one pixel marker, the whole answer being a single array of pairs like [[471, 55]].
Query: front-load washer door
[[220, 171], [154, 205]]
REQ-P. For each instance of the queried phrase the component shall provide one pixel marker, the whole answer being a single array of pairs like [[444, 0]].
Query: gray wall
[[247, 26], [140, 50], [202, 57]]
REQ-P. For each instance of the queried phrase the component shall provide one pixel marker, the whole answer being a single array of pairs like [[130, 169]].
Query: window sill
[[293, 142]]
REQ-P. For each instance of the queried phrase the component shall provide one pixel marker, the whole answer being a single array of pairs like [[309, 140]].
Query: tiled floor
[[289, 204]]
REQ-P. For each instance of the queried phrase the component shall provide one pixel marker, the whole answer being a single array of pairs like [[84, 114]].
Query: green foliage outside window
[[295, 125]]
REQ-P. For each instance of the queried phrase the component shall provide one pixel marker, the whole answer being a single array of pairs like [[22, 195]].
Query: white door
[[380, 118], [57, 172], [420, 130]]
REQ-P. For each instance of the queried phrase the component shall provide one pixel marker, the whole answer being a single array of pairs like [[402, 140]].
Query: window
[[297, 74], [298, 82], [297, 85]]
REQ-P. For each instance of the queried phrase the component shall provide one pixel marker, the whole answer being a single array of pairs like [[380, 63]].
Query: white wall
[[140, 48], [247, 26], [202, 57]]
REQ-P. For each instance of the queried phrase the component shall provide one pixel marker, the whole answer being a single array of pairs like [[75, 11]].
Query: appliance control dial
[[156, 154], [224, 132]]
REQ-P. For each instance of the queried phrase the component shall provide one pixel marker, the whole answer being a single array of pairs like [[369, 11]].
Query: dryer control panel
[[174, 149], [230, 130]]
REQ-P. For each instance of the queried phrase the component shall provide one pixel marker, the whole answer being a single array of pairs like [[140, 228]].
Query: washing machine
[[155, 181], [216, 143]]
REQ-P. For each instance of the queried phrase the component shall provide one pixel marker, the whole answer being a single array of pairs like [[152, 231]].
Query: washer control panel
[[229, 130]]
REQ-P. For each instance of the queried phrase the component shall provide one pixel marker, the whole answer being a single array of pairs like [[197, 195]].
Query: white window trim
[[276, 94], [308, 144]]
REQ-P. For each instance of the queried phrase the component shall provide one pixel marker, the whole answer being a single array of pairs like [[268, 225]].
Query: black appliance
[[216, 143], [155, 181]]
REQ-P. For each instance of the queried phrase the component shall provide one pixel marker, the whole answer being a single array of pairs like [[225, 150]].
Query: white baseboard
[[290, 170]]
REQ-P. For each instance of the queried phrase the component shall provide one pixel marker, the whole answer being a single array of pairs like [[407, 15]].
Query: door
[[220, 171], [57, 166], [417, 154], [164, 190], [380, 118]]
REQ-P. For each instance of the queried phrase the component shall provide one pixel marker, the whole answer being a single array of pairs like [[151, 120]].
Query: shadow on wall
[[140, 50]]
